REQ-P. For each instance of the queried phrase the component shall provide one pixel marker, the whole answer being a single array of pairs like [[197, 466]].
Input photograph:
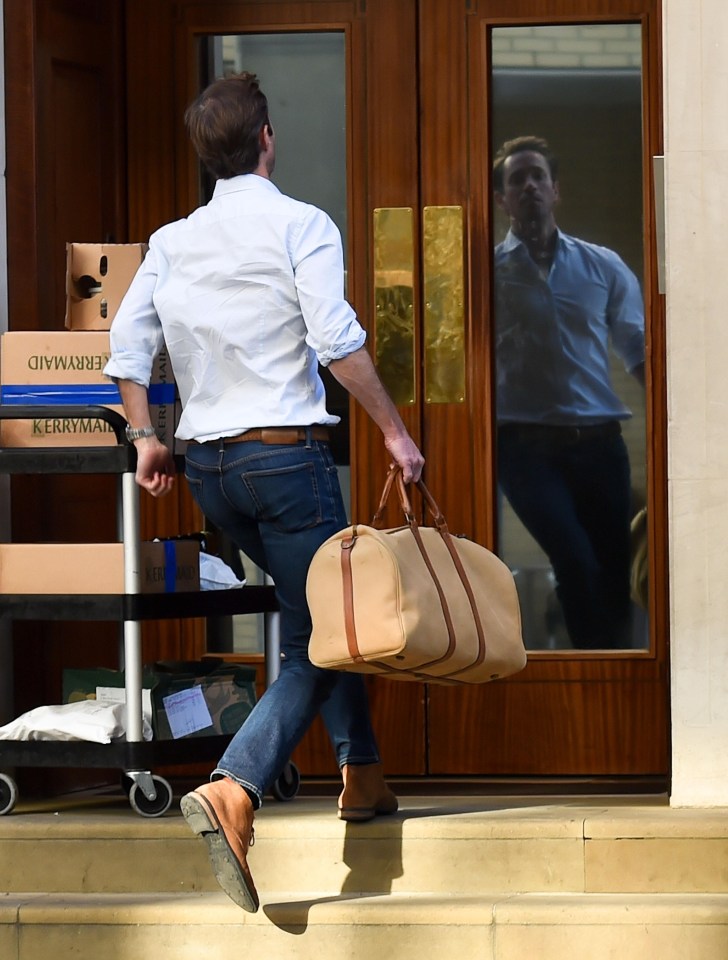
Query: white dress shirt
[[247, 293]]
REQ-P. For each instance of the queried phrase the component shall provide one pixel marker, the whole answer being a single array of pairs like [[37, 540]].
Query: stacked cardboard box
[[62, 368], [97, 277], [166, 566]]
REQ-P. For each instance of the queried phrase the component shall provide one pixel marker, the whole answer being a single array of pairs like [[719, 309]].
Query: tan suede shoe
[[222, 813], [365, 794]]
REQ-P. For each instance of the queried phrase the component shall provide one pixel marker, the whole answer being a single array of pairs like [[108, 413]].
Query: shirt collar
[[512, 242], [246, 181]]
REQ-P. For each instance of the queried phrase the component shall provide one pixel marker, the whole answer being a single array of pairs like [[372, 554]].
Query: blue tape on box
[[69, 394], [170, 565]]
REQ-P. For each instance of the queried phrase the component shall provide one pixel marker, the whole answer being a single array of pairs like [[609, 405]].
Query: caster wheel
[[8, 794], [287, 785], [145, 807], [126, 783]]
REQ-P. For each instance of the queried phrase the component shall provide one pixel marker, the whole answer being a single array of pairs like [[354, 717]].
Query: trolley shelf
[[58, 460], [140, 606], [119, 753], [149, 794], [119, 458]]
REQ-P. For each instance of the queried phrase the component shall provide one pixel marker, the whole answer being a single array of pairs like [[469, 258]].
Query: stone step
[[432, 846], [398, 926]]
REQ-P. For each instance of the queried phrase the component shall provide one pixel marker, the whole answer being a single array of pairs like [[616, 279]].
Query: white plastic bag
[[215, 574], [95, 720]]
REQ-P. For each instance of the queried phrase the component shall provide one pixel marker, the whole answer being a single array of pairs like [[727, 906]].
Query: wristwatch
[[136, 433]]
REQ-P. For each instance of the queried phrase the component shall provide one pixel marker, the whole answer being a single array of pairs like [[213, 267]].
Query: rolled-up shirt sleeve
[[626, 315], [136, 332], [332, 328]]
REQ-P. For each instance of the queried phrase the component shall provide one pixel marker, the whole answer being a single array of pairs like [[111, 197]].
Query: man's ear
[[500, 200], [557, 194], [265, 136]]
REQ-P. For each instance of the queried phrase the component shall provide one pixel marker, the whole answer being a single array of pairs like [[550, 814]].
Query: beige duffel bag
[[413, 603]]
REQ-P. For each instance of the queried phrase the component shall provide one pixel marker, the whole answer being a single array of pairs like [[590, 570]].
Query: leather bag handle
[[394, 476]]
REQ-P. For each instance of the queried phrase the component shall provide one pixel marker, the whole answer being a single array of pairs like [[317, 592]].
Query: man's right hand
[[357, 373], [406, 454]]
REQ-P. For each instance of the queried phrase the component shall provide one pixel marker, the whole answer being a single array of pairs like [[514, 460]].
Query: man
[[247, 294], [562, 463]]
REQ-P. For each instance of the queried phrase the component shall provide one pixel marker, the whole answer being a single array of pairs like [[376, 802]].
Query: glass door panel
[[579, 87], [585, 76]]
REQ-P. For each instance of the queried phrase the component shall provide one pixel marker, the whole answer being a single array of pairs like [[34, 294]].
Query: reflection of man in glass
[[562, 462]]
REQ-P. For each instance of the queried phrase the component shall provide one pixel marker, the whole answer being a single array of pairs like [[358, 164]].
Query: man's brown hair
[[224, 124], [529, 144]]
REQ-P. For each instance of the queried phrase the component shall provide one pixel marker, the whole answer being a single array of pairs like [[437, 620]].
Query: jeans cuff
[[218, 773], [357, 761]]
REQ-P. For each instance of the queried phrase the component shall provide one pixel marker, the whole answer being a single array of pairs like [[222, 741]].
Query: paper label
[[187, 712], [118, 695]]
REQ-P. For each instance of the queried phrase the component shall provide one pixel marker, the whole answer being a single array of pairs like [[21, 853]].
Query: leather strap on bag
[[347, 545], [395, 476]]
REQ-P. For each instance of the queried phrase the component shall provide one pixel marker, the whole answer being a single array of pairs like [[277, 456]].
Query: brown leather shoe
[[222, 813], [365, 794]]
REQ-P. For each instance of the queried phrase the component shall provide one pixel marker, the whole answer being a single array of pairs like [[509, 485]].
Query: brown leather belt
[[279, 435]]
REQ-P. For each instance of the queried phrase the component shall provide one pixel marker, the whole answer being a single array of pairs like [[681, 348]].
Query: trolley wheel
[[287, 785], [126, 783], [8, 794], [145, 807]]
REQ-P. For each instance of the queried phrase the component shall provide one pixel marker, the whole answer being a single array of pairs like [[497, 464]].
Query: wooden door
[[571, 712], [169, 53], [419, 94]]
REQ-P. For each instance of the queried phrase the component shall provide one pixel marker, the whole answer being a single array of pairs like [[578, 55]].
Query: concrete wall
[[696, 178]]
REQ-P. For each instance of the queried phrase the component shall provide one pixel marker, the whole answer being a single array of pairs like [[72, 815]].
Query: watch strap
[[137, 433]]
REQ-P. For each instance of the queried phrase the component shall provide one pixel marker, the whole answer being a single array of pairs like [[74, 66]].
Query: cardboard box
[[187, 700], [58, 368], [97, 277], [167, 566], [81, 683]]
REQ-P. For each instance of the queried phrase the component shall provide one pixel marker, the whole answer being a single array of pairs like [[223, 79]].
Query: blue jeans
[[571, 490], [279, 503]]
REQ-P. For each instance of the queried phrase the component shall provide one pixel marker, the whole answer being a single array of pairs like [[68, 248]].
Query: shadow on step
[[292, 916]]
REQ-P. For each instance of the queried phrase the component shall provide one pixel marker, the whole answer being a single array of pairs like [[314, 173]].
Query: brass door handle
[[394, 301], [443, 336], [444, 301]]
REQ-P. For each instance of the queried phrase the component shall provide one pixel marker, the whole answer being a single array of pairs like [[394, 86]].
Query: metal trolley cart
[[149, 795]]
